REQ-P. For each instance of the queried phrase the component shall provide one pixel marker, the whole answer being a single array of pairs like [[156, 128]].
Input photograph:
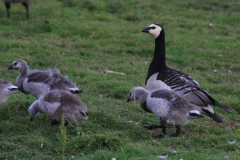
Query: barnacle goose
[[40, 82], [6, 89], [58, 103], [159, 76], [169, 106], [25, 3]]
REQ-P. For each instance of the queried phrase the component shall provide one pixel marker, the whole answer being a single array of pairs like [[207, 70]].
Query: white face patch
[[155, 30]]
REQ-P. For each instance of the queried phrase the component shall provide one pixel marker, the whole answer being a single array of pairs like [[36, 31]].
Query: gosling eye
[[67, 83], [15, 63]]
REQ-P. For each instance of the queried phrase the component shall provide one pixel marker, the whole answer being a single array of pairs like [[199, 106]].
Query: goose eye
[[130, 94], [153, 27], [15, 63]]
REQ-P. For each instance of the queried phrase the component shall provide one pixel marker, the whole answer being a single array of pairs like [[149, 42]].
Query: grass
[[82, 38]]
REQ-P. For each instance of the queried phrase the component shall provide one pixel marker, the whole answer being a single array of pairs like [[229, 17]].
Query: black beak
[[146, 30], [10, 67], [79, 91], [128, 100]]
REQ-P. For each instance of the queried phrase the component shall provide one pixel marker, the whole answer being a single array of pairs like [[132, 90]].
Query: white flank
[[209, 108], [12, 87], [194, 111], [73, 89]]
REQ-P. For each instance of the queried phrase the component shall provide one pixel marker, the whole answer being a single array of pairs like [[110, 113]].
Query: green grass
[[82, 38]]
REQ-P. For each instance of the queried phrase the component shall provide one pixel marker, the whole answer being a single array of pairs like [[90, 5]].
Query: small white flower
[[145, 61], [216, 37], [79, 132], [82, 133], [214, 70], [113, 158], [163, 157], [173, 151], [181, 159], [136, 123], [42, 145], [210, 25], [72, 156], [226, 157], [229, 71], [232, 142], [220, 55]]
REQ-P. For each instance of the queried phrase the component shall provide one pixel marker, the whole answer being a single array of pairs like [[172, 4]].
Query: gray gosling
[[58, 103], [6, 89], [170, 107], [40, 82], [25, 3]]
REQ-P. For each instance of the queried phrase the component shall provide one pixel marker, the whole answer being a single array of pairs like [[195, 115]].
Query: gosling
[[170, 107], [40, 82], [58, 103]]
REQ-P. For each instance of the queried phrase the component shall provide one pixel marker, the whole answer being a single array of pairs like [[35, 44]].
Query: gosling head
[[136, 93], [8, 87], [154, 30], [18, 64]]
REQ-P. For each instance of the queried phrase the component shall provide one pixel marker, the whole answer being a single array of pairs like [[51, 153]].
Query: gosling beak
[[11, 67]]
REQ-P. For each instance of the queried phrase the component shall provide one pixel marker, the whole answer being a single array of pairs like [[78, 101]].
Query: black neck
[[158, 62]]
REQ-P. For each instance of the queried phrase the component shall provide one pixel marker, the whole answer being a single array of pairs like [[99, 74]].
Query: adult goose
[[40, 82], [58, 103], [6, 89], [170, 107], [159, 76], [25, 3]]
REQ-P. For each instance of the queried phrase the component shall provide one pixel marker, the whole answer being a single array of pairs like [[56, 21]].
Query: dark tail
[[214, 116], [226, 108]]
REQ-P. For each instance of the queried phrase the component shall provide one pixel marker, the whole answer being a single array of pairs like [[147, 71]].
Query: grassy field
[[83, 38]]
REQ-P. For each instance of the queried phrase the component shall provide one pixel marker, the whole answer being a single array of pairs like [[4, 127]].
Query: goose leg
[[178, 130], [55, 122], [8, 9], [153, 126], [26, 5]]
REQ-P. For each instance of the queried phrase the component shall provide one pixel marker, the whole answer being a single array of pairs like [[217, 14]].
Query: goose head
[[154, 30], [18, 64]]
